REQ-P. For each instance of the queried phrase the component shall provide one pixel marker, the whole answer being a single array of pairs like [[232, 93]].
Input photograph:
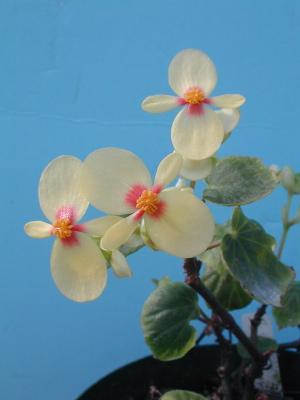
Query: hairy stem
[[192, 267], [217, 243], [286, 226], [255, 368], [228, 320], [256, 321], [226, 356], [192, 184]]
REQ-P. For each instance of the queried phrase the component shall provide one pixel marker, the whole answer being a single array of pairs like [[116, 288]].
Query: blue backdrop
[[73, 76]]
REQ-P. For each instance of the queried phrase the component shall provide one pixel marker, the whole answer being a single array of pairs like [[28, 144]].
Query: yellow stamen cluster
[[147, 202], [62, 228], [194, 96]]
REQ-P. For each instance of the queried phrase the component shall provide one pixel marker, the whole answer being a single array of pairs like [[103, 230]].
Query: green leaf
[[213, 257], [248, 253], [289, 314], [161, 281], [182, 395], [165, 320], [226, 289], [239, 180], [263, 344]]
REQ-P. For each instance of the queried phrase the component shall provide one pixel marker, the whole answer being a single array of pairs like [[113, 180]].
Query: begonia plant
[[227, 264]]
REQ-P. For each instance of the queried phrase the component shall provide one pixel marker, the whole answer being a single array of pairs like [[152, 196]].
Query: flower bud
[[288, 180], [275, 168]]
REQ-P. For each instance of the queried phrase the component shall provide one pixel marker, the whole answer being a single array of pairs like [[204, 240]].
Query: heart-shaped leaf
[[213, 257], [165, 320], [239, 180], [247, 252], [226, 289], [289, 314]]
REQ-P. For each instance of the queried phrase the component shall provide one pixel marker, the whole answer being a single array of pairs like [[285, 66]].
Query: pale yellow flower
[[77, 265], [117, 182], [197, 131]]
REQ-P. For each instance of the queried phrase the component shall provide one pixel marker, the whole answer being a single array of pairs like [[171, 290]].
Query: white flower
[[117, 182], [197, 131], [77, 265]]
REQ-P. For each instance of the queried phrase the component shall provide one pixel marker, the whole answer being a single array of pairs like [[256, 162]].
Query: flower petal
[[38, 229], [100, 226], [59, 190], [192, 68], [160, 103], [119, 265], [168, 170], [185, 229], [230, 117], [197, 136], [194, 170], [79, 271], [108, 175], [119, 233], [135, 240], [227, 101]]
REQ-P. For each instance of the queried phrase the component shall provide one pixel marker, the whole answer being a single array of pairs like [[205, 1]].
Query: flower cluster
[[117, 182]]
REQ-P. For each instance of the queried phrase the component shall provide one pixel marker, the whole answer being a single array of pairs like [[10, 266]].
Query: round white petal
[[59, 188], [107, 176], [168, 170], [79, 271], [38, 229], [192, 68], [229, 117], [197, 136], [100, 226], [227, 101], [119, 233], [160, 103], [185, 229], [194, 170], [119, 265]]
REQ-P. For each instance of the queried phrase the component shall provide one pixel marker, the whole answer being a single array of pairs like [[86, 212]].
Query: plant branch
[[256, 321], [227, 319], [192, 184], [226, 367]]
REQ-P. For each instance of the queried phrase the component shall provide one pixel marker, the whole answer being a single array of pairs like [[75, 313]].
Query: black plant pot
[[195, 372]]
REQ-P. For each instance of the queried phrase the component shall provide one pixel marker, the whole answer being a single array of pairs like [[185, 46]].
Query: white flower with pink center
[[77, 265], [116, 181], [197, 131]]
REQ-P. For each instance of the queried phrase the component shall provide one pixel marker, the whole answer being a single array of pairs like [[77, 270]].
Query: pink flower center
[[148, 201], [62, 228], [194, 96]]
